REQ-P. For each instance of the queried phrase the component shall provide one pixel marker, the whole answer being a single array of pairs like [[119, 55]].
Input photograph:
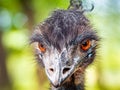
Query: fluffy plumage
[[62, 34]]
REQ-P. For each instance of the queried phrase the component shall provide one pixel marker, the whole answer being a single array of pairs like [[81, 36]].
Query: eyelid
[[36, 38], [93, 42], [82, 37]]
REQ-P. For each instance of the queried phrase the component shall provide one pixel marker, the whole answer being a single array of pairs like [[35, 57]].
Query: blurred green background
[[18, 68]]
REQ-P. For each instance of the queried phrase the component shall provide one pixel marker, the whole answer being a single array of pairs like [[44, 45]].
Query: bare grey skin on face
[[65, 46]]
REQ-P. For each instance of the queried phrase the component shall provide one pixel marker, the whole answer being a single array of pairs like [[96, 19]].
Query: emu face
[[65, 43]]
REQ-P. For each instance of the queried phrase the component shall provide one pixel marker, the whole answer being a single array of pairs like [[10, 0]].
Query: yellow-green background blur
[[19, 69]]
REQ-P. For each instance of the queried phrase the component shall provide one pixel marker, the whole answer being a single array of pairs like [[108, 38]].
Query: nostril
[[65, 70], [51, 69]]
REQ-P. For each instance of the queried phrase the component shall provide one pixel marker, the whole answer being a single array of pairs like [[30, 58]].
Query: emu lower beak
[[59, 73]]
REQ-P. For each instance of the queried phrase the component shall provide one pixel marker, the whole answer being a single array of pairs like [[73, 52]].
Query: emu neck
[[75, 82], [70, 87]]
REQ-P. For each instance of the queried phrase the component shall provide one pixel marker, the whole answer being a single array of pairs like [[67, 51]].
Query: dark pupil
[[85, 43], [41, 45]]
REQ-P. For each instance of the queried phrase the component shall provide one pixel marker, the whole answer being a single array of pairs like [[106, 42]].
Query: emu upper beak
[[59, 72]]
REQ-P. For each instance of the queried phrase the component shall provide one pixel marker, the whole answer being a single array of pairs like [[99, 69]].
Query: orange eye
[[41, 47], [86, 45]]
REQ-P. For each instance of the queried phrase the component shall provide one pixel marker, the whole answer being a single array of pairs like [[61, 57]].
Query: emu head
[[65, 43]]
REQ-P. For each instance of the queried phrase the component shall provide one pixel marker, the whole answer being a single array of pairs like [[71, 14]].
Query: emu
[[65, 45]]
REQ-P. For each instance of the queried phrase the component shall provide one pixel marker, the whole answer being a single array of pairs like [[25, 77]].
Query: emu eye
[[41, 47], [85, 45]]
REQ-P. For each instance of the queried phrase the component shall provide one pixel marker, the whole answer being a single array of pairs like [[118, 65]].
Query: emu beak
[[59, 72]]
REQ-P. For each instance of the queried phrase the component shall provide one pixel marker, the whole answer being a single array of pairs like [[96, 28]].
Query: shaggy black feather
[[63, 27]]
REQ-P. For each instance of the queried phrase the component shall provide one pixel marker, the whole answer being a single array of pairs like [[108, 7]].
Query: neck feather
[[71, 87]]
